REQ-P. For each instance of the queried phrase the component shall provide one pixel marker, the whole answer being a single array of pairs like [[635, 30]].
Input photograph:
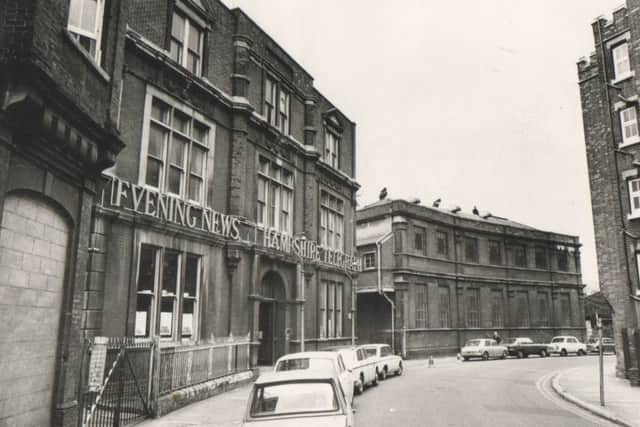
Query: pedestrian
[[496, 337]]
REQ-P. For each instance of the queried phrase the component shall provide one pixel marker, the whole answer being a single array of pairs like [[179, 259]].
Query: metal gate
[[118, 381]]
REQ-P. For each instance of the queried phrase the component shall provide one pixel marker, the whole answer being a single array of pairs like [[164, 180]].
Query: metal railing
[[185, 366]]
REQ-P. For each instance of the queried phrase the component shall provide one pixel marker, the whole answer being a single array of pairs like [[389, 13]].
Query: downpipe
[[379, 243]]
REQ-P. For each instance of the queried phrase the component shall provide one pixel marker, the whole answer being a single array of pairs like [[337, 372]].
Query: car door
[[345, 377]]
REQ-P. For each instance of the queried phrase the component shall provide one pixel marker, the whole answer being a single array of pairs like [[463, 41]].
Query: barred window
[[522, 309], [443, 243], [473, 308], [543, 309], [497, 311], [444, 306], [420, 240], [421, 306]]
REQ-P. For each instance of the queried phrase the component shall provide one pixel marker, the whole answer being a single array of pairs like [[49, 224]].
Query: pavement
[[509, 392], [581, 386]]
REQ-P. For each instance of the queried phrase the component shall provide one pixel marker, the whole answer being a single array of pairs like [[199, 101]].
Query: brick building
[[609, 93], [452, 276], [228, 214], [60, 81]]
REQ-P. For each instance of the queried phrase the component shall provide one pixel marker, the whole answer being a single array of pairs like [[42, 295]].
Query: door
[[265, 325], [33, 252]]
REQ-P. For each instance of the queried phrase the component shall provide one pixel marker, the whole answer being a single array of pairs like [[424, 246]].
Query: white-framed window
[[275, 196], [176, 145], [638, 267], [85, 24], [168, 283], [186, 43], [621, 63], [331, 221], [277, 105], [332, 149], [369, 260], [330, 309], [634, 196], [629, 125]]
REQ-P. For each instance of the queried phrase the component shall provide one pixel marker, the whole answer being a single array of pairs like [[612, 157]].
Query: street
[[508, 392]]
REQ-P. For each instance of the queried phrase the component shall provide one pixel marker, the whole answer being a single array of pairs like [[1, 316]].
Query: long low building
[[434, 278]]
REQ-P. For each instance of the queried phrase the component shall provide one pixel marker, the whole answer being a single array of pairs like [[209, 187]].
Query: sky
[[475, 102]]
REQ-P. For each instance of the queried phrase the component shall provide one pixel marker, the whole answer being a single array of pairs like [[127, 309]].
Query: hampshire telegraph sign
[[169, 208]]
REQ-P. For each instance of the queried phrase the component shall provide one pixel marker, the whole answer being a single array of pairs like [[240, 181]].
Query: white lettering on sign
[[168, 208]]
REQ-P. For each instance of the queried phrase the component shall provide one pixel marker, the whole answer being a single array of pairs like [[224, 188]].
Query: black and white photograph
[[301, 213]]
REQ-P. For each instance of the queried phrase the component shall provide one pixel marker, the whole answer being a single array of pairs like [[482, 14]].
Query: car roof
[[295, 375], [309, 355], [341, 347], [373, 345]]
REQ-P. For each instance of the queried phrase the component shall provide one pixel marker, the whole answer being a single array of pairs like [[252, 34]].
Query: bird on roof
[[383, 193], [476, 211], [436, 203]]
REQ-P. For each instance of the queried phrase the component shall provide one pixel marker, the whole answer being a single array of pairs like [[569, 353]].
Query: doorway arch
[[272, 318]]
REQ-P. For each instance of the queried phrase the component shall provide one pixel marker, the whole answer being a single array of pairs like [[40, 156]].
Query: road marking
[[543, 384]]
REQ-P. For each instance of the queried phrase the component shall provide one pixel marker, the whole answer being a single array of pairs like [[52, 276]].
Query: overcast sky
[[475, 101]]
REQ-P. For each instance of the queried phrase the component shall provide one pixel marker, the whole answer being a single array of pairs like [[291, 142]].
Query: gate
[[118, 381]]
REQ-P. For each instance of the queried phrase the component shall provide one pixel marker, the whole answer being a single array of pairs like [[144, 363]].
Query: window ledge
[[623, 77], [102, 73], [633, 216], [630, 142]]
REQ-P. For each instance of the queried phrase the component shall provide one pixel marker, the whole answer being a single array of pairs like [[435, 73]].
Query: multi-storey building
[[60, 80], [437, 277], [228, 213], [609, 93]]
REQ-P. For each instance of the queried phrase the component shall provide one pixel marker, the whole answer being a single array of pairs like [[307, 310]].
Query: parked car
[[362, 367], [330, 362], [484, 348], [386, 362], [307, 397], [525, 347], [608, 345], [563, 345]]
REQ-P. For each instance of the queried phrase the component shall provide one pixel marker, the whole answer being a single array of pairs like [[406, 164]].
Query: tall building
[[609, 94], [437, 277], [227, 217]]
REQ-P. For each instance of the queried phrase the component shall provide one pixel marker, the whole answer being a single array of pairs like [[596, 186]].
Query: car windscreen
[[557, 340], [293, 398], [473, 343], [305, 363]]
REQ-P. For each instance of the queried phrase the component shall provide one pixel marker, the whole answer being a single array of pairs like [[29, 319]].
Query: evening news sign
[[168, 208]]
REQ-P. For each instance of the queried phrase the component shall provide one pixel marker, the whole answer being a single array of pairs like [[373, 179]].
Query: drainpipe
[[379, 243]]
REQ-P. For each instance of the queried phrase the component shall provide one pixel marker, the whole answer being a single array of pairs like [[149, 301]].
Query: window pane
[[175, 50], [166, 317], [75, 13], [177, 156], [170, 273], [193, 62], [175, 180], [177, 27], [194, 39], [188, 317], [160, 111], [197, 160], [181, 122], [89, 15], [154, 168], [191, 276], [200, 132], [144, 308], [147, 268], [195, 188], [157, 137]]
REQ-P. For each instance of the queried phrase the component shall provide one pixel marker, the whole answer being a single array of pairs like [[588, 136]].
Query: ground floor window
[[497, 312], [421, 306], [444, 306], [473, 308], [330, 309], [565, 310], [522, 309], [167, 293], [543, 309]]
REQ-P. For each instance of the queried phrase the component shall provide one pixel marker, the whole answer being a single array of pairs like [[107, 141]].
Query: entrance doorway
[[271, 319]]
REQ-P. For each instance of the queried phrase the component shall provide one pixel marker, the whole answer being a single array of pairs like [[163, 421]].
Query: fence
[[182, 367], [125, 377]]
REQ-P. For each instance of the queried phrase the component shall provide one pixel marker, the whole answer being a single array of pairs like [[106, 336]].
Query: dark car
[[525, 347], [608, 345]]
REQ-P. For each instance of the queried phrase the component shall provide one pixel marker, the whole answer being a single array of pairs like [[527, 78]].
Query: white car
[[484, 348], [362, 367], [326, 361], [296, 398], [385, 361], [564, 345]]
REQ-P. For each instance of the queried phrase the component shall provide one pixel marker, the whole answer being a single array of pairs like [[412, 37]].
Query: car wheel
[[465, 358], [563, 353], [485, 356], [581, 352], [399, 371], [504, 354], [383, 374], [520, 354], [543, 353], [359, 389], [375, 379]]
